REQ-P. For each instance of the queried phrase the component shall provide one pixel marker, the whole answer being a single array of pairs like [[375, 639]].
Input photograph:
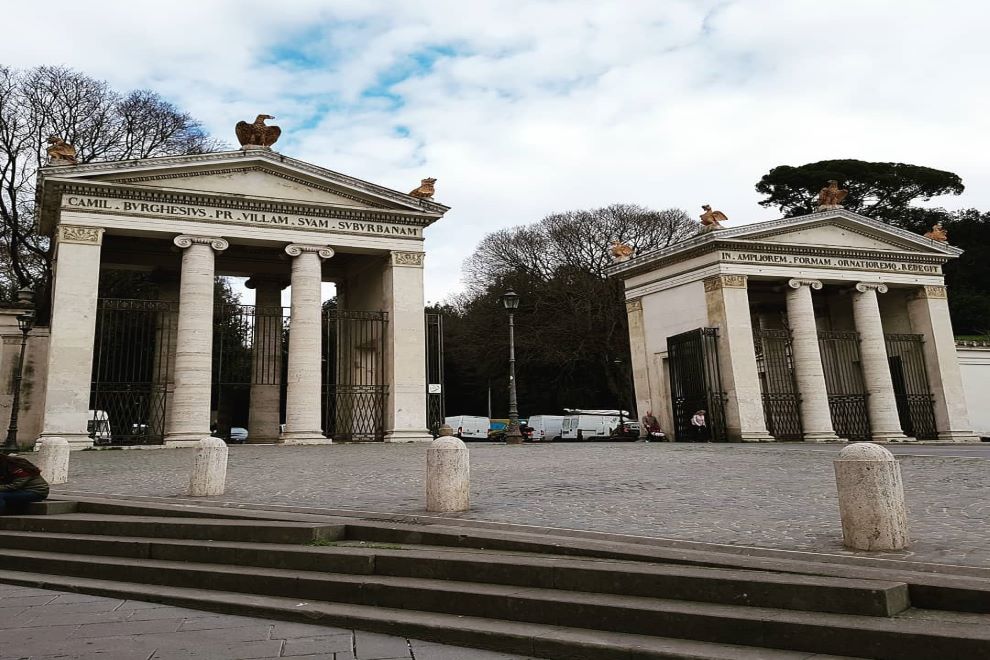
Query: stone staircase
[[531, 593]]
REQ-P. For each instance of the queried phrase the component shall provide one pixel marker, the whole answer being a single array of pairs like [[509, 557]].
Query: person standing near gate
[[20, 482], [700, 426]]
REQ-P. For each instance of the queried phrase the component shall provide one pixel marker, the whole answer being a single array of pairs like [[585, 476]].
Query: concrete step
[[810, 632], [50, 508], [504, 636], [262, 531], [672, 582]]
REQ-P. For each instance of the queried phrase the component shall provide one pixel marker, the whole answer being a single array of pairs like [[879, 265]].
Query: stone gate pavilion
[[170, 365], [824, 327]]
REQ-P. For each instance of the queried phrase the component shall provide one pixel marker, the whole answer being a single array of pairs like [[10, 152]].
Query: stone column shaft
[[304, 383], [929, 314], [189, 415], [727, 299], [640, 360], [881, 404], [73, 333], [816, 417], [266, 361]]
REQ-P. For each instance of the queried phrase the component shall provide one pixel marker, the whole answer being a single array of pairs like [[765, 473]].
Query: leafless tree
[[101, 123]]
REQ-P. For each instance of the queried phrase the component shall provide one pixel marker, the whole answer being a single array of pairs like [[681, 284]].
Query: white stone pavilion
[[249, 213], [825, 327]]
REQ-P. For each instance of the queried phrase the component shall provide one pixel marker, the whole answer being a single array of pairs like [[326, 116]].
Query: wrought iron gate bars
[[354, 390], [435, 408], [844, 384], [696, 383], [915, 403], [781, 399]]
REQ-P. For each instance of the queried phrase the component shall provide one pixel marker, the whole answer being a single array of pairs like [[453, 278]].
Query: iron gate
[[915, 404], [781, 399], [354, 389], [133, 361], [696, 383], [844, 383], [434, 373]]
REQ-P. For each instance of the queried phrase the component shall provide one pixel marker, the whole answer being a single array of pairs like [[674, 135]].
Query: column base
[[266, 440], [891, 437], [407, 435], [958, 436], [304, 438], [756, 436], [77, 441], [823, 437], [179, 440]]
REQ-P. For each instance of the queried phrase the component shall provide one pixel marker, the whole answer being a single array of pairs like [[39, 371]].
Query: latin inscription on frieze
[[216, 214], [842, 263]]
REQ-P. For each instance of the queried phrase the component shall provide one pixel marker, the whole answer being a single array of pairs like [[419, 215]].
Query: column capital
[[722, 281], [407, 258], [930, 291], [634, 305], [184, 241], [879, 287], [85, 235], [296, 249], [797, 283]]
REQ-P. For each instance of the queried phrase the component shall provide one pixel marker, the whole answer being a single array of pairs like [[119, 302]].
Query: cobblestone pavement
[[45, 625], [764, 495]]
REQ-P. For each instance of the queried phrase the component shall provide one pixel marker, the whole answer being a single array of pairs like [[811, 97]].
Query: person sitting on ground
[[20, 482], [651, 425]]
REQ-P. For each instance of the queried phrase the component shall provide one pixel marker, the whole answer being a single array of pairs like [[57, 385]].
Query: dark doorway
[[696, 384], [915, 404]]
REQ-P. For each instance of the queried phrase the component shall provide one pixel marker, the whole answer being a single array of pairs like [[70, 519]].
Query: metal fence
[[781, 399], [354, 385], [915, 403], [435, 408], [696, 384], [844, 383]]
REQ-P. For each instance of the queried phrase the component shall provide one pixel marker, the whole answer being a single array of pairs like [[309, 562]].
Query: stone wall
[[974, 364], [31, 413]]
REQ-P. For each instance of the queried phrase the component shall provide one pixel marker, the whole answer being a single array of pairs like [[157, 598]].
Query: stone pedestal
[[266, 361], [448, 474], [928, 310], [871, 498], [209, 474], [809, 375], [53, 460], [303, 405], [405, 365], [881, 404], [727, 300], [189, 416], [73, 329]]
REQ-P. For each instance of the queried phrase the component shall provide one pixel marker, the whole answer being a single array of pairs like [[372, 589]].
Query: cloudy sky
[[522, 108]]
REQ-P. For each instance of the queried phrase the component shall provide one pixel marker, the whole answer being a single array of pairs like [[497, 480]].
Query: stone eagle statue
[[831, 196], [937, 233], [621, 251], [711, 220], [425, 190], [60, 152], [257, 134]]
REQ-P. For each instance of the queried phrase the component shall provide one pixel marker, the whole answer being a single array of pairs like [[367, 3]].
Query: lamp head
[[25, 320], [510, 300]]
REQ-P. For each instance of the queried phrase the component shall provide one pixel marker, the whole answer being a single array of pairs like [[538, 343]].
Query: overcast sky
[[524, 108]]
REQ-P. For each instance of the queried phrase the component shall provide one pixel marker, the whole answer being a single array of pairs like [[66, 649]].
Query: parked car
[[546, 428], [238, 435], [589, 425], [469, 427], [627, 430]]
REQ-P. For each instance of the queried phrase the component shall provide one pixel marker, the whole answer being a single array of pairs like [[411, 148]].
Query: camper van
[[469, 427], [546, 428], [590, 424]]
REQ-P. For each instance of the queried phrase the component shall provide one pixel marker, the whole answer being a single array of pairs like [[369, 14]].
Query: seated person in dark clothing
[[20, 482]]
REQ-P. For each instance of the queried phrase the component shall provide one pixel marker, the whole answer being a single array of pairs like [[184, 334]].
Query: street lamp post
[[25, 321], [510, 300]]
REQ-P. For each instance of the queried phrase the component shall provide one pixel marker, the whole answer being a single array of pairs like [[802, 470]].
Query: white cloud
[[545, 106]]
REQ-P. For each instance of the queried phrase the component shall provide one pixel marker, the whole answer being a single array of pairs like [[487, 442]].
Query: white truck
[[469, 427], [546, 428], [590, 424]]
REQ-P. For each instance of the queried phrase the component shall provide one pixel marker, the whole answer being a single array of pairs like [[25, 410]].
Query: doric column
[[928, 310], [304, 384], [405, 364], [727, 299], [73, 331], [189, 414], [881, 404], [266, 360], [640, 360], [816, 417]]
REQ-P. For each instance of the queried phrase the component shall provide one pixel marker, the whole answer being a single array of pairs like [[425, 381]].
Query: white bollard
[[53, 460], [209, 473], [448, 473], [871, 498]]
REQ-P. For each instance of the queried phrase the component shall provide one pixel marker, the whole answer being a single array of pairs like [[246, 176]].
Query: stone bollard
[[871, 498], [53, 460], [209, 473], [448, 473]]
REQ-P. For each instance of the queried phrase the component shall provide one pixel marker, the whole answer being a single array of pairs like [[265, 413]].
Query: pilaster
[[405, 346], [639, 357]]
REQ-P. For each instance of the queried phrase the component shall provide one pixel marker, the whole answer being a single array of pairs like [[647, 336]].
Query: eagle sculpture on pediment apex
[[257, 134]]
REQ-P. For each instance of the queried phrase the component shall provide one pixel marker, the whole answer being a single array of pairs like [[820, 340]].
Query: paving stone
[[128, 628], [236, 651], [217, 622], [372, 646], [317, 645], [151, 614], [288, 630]]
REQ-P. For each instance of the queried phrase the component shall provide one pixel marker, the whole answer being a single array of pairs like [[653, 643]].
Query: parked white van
[[590, 424], [546, 428], [469, 427]]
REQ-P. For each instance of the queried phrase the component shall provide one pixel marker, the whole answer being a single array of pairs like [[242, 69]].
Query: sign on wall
[[843, 263]]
